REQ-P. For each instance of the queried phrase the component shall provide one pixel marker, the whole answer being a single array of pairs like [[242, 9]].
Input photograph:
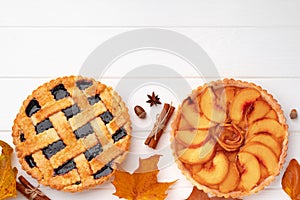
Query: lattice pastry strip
[[65, 131], [51, 109], [111, 100], [20, 134], [38, 142], [117, 123], [87, 115], [101, 131], [41, 160], [61, 181], [42, 95], [66, 154], [70, 131], [97, 88], [79, 98], [109, 153]]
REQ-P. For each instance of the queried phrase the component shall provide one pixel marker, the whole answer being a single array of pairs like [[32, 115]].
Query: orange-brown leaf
[[142, 184], [199, 194], [7, 173], [291, 180], [148, 165]]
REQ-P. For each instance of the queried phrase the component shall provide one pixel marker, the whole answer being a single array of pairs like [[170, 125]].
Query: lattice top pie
[[230, 138], [71, 132]]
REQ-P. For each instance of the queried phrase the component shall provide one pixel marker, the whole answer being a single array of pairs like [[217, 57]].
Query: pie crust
[[229, 138], [71, 132]]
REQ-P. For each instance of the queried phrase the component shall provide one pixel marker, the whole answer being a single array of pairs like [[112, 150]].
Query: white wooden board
[[156, 13]]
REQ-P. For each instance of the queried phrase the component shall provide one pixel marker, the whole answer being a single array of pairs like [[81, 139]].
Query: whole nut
[[140, 112], [293, 114]]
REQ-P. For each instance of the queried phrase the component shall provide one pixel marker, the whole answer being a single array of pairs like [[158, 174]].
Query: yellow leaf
[[142, 184], [7, 173], [157, 191]]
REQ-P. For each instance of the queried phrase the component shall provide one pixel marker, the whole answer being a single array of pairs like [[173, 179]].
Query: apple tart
[[230, 138], [71, 132]]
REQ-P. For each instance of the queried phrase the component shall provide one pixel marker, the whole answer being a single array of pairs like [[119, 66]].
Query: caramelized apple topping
[[229, 137]]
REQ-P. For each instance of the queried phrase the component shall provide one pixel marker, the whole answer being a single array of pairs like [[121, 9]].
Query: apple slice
[[183, 124], [251, 170], [216, 173], [197, 155], [204, 123], [232, 156], [192, 138], [229, 96], [263, 173], [190, 112], [242, 100], [192, 116], [198, 121], [264, 154], [270, 126], [232, 179], [260, 109], [189, 104], [226, 96], [196, 168], [271, 115], [209, 107], [267, 140]]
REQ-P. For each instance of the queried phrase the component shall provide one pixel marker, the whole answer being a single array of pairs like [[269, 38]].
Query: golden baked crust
[[209, 169], [71, 132]]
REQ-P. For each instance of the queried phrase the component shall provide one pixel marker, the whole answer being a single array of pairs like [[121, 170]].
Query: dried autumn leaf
[[7, 173], [199, 194], [291, 180], [142, 184]]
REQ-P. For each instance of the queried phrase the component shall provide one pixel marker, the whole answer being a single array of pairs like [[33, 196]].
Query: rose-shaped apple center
[[229, 137]]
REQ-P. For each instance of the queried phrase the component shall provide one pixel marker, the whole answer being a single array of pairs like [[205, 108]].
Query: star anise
[[153, 99]]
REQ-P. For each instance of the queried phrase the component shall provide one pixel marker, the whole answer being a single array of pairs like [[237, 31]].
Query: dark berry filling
[[94, 99], [22, 137], [30, 161], [65, 168], [32, 107], [84, 131], [77, 183], [53, 148], [43, 126], [60, 92], [71, 111], [104, 171], [93, 152], [106, 117], [83, 84], [119, 134]]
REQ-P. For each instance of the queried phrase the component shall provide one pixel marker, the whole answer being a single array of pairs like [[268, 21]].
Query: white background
[[257, 41]]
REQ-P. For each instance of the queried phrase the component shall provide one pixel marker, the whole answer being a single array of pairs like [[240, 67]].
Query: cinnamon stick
[[29, 191], [160, 126]]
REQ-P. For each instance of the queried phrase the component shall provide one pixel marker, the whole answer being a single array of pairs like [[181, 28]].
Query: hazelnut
[[293, 114], [140, 112]]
